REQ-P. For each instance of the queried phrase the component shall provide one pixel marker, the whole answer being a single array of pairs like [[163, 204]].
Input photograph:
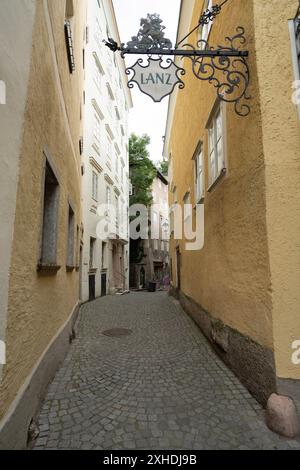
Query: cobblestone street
[[161, 387]]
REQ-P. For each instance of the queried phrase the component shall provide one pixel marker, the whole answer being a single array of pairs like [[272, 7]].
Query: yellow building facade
[[41, 125], [242, 287]]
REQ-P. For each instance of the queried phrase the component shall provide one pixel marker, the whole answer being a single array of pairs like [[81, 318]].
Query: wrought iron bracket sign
[[224, 67]]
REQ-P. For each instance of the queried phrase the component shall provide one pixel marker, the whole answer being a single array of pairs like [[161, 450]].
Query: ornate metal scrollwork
[[209, 15], [229, 75]]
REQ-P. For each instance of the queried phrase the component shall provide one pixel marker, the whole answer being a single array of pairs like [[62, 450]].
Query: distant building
[[41, 56], [105, 259], [153, 263]]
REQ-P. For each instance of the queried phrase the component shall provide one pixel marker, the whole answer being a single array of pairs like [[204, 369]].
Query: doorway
[[92, 283], [178, 263], [103, 284]]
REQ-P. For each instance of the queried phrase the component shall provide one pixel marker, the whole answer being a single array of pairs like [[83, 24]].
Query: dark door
[[103, 284], [92, 287], [178, 269]]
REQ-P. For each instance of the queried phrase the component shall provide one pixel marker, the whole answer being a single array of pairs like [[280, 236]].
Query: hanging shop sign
[[225, 67], [156, 78]]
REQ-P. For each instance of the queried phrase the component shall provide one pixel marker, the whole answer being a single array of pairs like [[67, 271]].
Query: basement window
[[71, 228], [50, 222]]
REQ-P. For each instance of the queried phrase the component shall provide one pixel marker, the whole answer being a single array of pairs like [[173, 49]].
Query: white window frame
[[95, 185], [108, 196], [186, 201], [199, 173], [108, 146], [204, 31], [97, 127], [216, 163], [295, 44]]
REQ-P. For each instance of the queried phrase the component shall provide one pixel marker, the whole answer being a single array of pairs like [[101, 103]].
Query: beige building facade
[[42, 44], [242, 287]]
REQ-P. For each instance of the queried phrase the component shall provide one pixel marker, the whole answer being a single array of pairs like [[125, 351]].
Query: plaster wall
[[39, 304]]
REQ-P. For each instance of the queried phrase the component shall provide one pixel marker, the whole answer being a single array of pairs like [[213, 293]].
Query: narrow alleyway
[[160, 387]]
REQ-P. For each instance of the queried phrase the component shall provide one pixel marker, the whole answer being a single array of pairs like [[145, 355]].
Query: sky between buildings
[[147, 117]]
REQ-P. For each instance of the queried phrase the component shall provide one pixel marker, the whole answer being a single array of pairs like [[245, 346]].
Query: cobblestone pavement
[[162, 387]]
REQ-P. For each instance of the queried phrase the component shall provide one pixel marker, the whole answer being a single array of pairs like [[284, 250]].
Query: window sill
[[70, 268], [200, 201], [50, 269], [219, 178]]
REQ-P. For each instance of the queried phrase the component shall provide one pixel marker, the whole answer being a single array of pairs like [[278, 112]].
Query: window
[[104, 255], [50, 218], [297, 33], [117, 164], [205, 29], [95, 186], [216, 159], [92, 251], [117, 211], [186, 207], [69, 8], [199, 173], [71, 227], [294, 27], [108, 195], [108, 146], [97, 127], [98, 76]]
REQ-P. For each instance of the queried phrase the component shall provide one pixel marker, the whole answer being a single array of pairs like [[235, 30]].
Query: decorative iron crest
[[154, 78], [151, 35], [209, 15], [228, 74]]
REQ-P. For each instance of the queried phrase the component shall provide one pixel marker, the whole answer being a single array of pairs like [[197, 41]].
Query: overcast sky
[[147, 117]]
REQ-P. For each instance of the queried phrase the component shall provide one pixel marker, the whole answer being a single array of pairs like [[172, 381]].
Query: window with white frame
[[108, 146], [97, 76], [108, 195], [186, 206], [216, 156], [294, 26], [97, 127], [199, 173], [297, 34], [95, 186], [117, 164], [204, 30]]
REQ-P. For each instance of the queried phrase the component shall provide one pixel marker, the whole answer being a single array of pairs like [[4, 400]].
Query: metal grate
[[70, 49], [117, 332]]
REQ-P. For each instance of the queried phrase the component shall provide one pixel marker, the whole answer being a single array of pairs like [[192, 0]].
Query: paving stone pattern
[[161, 387]]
